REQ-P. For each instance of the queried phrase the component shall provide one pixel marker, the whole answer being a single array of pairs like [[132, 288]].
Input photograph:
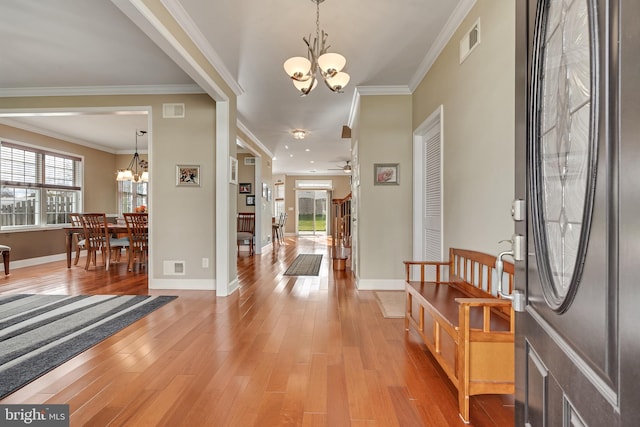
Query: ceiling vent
[[470, 41], [250, 161], [173, 111]]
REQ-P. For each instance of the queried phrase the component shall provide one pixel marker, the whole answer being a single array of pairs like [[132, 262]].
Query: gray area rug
[[392, 303], [305, 265], [40, 332]]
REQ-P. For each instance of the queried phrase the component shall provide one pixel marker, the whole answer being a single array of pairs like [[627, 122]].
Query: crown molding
[[185, 21], [100, 90], [373, 90], [254, 139], [450, 27]]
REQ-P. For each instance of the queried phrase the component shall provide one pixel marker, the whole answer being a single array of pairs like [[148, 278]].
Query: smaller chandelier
[[299, 133], [132, 173], [303, 70]]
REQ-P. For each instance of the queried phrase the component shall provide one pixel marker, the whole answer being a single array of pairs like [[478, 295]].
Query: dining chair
[[78, 238], [137, 226], [281, 223], [6, 254], [98, 238], [246, 230]]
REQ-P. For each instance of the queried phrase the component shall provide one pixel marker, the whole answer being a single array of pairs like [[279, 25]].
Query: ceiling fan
[[346, 168]]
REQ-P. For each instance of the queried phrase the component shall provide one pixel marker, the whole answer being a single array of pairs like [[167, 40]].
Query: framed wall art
[[233, 170], [188, 175], [386, 174], [244, 188]]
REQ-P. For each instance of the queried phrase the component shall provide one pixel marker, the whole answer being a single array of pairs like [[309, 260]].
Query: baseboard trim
[[183, 284], [380, 285], [30, 262]]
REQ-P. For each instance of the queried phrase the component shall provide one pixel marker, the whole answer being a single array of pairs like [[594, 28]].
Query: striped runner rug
[[40, 332], [304, 265]]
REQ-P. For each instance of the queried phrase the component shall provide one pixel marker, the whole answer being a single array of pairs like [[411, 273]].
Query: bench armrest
[[423, 266], [487, 304]]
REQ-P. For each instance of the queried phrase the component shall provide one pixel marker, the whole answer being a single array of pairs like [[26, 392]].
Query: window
[[39, 187], [279, 199], [131, 195]]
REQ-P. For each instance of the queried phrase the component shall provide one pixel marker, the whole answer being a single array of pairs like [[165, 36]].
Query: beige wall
[[478, 137], [246, 174], [99, 193], [384, 135], [182, 219]]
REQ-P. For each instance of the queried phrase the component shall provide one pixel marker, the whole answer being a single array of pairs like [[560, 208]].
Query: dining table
[[69, 231]]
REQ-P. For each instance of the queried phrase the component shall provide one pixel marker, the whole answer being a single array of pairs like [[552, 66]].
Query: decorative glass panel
[[563, 149]]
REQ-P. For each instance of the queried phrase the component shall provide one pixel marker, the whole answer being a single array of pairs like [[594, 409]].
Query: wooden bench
[[464, 324]]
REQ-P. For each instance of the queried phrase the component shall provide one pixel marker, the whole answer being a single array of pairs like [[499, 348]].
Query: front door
[[578, 173]]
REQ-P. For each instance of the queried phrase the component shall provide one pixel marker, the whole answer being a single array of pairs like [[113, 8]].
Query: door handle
[[516, 297]]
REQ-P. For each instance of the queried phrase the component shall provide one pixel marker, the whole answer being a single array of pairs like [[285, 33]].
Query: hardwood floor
[[294, 351]]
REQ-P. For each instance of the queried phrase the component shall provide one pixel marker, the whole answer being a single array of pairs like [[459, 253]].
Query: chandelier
[[132, 173], [329, 65]]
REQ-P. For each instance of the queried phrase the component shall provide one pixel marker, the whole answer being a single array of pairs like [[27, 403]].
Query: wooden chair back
[[137, 227], [247, 222], [96, 237]]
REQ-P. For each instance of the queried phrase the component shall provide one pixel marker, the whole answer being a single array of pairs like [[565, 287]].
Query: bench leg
[[5, 258]]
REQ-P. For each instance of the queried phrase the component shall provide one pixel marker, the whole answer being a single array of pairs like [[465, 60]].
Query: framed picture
[[245, 187], [386, 174], [188, 175], [251, 200], [265, 190], [233, 170]]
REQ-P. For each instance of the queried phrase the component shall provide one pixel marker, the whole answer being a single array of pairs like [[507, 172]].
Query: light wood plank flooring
[[283, 351]]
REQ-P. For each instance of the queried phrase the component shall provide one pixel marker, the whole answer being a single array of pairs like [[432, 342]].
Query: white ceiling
[[80, 44]]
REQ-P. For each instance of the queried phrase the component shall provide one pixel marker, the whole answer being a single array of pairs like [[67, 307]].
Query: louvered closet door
[[432, 202]]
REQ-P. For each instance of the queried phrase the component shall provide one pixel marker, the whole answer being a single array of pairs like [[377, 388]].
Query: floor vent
[[173, 111], [470, 41]]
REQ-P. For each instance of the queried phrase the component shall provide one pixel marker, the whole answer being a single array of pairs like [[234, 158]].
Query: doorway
[[312, 208]]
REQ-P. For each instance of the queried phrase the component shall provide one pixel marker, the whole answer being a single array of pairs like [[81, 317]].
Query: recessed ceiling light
[[286, 147], [290, 155], [312, 161], [307, 149]]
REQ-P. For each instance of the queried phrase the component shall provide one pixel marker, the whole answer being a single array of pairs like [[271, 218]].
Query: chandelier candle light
[[303, 70], [131, 173]]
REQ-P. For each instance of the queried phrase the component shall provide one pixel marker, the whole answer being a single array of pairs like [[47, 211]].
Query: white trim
[[355, 107], [253, 139], [223, 235], [100, 90], [30, 262], [183, 19], [449, 29], [184, 284], [384, 90], [380, 285]]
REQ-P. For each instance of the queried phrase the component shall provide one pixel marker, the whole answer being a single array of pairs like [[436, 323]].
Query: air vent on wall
[[250, 161], [469, 41], [173, 111]]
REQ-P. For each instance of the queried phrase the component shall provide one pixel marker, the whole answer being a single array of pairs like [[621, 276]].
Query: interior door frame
[[431, 125]]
